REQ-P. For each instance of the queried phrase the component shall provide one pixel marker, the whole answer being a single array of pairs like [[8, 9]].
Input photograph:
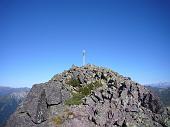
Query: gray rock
[[37, 99], [75, 74], [41, 114], [53, 93], [119, 102], [81, 78]]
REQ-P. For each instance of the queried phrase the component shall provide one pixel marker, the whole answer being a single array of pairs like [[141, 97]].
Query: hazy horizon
[[39, 39], [30, 85]]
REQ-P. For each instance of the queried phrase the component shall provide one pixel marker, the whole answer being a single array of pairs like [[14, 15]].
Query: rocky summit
[[90, 96]]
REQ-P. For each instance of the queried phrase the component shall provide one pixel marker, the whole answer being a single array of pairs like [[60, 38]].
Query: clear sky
[[39, 38]]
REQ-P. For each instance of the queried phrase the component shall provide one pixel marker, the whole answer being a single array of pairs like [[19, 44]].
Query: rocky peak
[[90, 96]]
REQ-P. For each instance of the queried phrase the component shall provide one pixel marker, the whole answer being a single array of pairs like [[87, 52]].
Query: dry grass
[[57, 120]]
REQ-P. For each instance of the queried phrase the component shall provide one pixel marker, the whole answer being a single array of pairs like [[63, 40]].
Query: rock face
[[90, 96]]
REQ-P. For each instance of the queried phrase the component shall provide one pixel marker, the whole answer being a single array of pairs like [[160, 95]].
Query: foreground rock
[[90, 96]]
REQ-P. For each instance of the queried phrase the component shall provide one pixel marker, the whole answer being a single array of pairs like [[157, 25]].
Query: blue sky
[[39, 38]]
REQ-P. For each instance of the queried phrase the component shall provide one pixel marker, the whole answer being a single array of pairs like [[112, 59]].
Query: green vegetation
[[76, 99], [74, 83]]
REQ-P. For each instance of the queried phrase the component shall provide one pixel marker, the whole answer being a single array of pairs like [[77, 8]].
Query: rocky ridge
[[90, 96]]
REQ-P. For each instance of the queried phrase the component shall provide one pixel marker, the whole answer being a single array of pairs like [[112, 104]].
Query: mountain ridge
[[90, 96], [9, 101], [5, 90], [163, 93], [159, 84]]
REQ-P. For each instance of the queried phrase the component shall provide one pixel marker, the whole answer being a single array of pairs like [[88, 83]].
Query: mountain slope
[[90, 96], [10, 98], [163, 93]]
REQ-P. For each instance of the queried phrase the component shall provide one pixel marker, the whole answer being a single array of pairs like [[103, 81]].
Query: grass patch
[[74, 82], [76, 99]]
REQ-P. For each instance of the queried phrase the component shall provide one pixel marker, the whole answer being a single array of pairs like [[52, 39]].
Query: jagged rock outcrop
[[90, 96]]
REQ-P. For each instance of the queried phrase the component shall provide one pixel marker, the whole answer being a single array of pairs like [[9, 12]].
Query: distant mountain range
[[10, 98], [162, 90], [159, 85]]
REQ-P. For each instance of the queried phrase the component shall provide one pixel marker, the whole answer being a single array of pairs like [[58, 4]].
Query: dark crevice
[[98, 98], [121, 88], [110, 81], [33, 120], [93, 100], [124, 124], [108, 91], [110, 115], [28, 114], [116, 124], [150, 100], [95, 112], [139, 96], [103, 77], [110, 99], [104, 97], [130, 87], [22, 112], [96, 76], [143, 100], [49, 105], [93, 120], [85, 102], [163, 124]]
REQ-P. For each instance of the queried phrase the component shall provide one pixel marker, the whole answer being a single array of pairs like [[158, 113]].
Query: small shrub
[[97, 84], [57, 120], [86, 90], [74, 82]]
